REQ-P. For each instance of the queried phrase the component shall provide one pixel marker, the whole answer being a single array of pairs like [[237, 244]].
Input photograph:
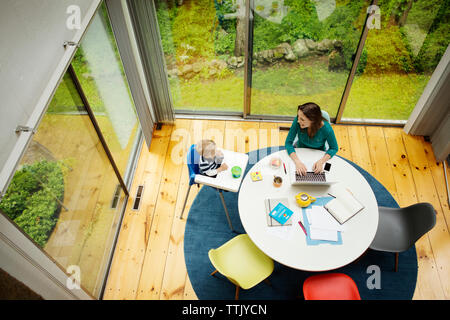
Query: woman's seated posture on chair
[[313, 131]]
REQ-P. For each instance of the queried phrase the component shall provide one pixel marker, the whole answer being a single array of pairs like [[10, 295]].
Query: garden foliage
[[31, 200], [388, 50]]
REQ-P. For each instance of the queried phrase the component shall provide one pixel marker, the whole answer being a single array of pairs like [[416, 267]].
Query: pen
[[284, 168], [301, 225]]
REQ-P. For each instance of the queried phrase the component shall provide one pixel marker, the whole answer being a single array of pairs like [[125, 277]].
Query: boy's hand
[[223, 167]]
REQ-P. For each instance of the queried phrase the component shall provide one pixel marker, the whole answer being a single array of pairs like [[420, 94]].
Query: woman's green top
[[324, 134]]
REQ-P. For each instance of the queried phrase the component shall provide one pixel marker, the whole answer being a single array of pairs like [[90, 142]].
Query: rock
[[189, 75], [187, 69], [288, 53], [173, 72], [232, 62], [197, 67], [311, 45], [300, 48], [325, 45], [291, 57], [218, 64]]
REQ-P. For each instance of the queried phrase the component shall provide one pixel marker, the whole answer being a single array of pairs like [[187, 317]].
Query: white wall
[[32, 62]]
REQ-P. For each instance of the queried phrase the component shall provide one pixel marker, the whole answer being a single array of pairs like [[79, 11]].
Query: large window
[[69, 191], [62, 194], [300, 51], [197, 38], [99, 69], [402, 53], [303, 51]]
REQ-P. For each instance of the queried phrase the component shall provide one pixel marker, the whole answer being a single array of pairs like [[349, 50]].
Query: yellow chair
[[241, 262]]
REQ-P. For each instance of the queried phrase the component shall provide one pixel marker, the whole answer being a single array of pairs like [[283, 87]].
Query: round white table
[[287, 244]]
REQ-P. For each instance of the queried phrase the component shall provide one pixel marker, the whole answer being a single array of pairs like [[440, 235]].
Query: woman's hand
[[318, 166], [300, 168]]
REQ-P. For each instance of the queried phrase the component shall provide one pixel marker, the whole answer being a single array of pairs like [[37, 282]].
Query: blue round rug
[[207, 228]]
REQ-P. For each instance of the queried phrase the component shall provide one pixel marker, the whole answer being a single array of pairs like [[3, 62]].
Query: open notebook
[[344, 205]]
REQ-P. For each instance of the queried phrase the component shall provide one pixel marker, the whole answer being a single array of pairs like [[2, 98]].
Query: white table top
[[287, 244], [224, 179]]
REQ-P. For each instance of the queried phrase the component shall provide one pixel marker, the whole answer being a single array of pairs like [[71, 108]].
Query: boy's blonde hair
[[202, 145]]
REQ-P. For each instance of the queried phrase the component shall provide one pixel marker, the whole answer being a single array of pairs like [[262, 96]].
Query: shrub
[[386, 52], [437, 40], [341, 25], [31, 199]]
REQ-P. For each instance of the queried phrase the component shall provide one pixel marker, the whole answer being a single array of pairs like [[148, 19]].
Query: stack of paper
[[322, 225]]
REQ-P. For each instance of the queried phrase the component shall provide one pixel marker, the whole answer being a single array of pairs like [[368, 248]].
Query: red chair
[[330, 286]]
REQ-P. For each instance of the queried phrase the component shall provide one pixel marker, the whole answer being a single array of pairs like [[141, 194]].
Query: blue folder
[[319, 202]]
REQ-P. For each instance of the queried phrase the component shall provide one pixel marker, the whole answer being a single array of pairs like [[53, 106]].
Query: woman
[[312, 131]]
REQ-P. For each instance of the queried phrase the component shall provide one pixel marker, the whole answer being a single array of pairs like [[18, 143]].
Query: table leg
[[226, 210]]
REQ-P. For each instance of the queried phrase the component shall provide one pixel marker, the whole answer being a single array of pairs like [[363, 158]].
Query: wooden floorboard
[[149, 257]]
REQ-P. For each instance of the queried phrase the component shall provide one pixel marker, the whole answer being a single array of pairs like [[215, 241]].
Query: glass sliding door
[[100, 72], [303, 51], [203, 47], [64, 194], [403, 49]]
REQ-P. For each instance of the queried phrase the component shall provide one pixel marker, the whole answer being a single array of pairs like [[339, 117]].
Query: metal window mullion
[[96, 127], [351, 76], [248, 58]]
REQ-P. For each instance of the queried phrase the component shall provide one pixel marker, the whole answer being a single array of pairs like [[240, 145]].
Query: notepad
[[275, 209], [256, 176], [343, 206]]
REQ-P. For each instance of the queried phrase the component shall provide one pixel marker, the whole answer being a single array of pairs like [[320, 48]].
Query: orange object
[[277, 181], [330, 286]]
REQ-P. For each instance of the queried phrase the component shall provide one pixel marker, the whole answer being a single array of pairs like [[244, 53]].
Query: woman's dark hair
[[312, 112]]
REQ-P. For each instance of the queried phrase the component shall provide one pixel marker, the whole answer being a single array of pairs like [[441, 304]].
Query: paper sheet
[[322, 234], [322, 225], [320, 218]]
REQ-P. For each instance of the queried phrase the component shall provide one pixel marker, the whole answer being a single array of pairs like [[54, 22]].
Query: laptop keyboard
[[311, 176]]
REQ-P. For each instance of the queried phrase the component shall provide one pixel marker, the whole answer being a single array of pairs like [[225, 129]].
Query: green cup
[[236, 172]]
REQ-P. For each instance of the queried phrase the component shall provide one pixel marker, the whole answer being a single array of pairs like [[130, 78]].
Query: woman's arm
[[333, 149], [289, 142]]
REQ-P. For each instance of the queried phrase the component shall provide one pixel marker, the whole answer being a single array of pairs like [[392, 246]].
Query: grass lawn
[[278, 90]]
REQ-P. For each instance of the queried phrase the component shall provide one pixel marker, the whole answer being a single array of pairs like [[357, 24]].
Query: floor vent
[[137, 199], [116, 197]]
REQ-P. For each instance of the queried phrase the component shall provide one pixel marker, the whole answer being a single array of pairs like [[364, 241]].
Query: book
[[256, 176], [270, 205], [278, 213], [343, 206]]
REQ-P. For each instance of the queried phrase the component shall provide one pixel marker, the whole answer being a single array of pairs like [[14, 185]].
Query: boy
[[211, 159]]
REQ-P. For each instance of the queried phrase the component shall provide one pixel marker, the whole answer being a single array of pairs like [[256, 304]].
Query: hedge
[[31, 200]]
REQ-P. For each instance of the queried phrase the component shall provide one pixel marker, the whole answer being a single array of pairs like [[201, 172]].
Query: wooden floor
[[149, 263]]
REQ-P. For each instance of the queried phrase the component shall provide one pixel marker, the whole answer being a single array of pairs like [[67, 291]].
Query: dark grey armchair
[[399, 228]]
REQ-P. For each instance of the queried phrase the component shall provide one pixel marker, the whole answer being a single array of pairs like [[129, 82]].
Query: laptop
[[310, 178]]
